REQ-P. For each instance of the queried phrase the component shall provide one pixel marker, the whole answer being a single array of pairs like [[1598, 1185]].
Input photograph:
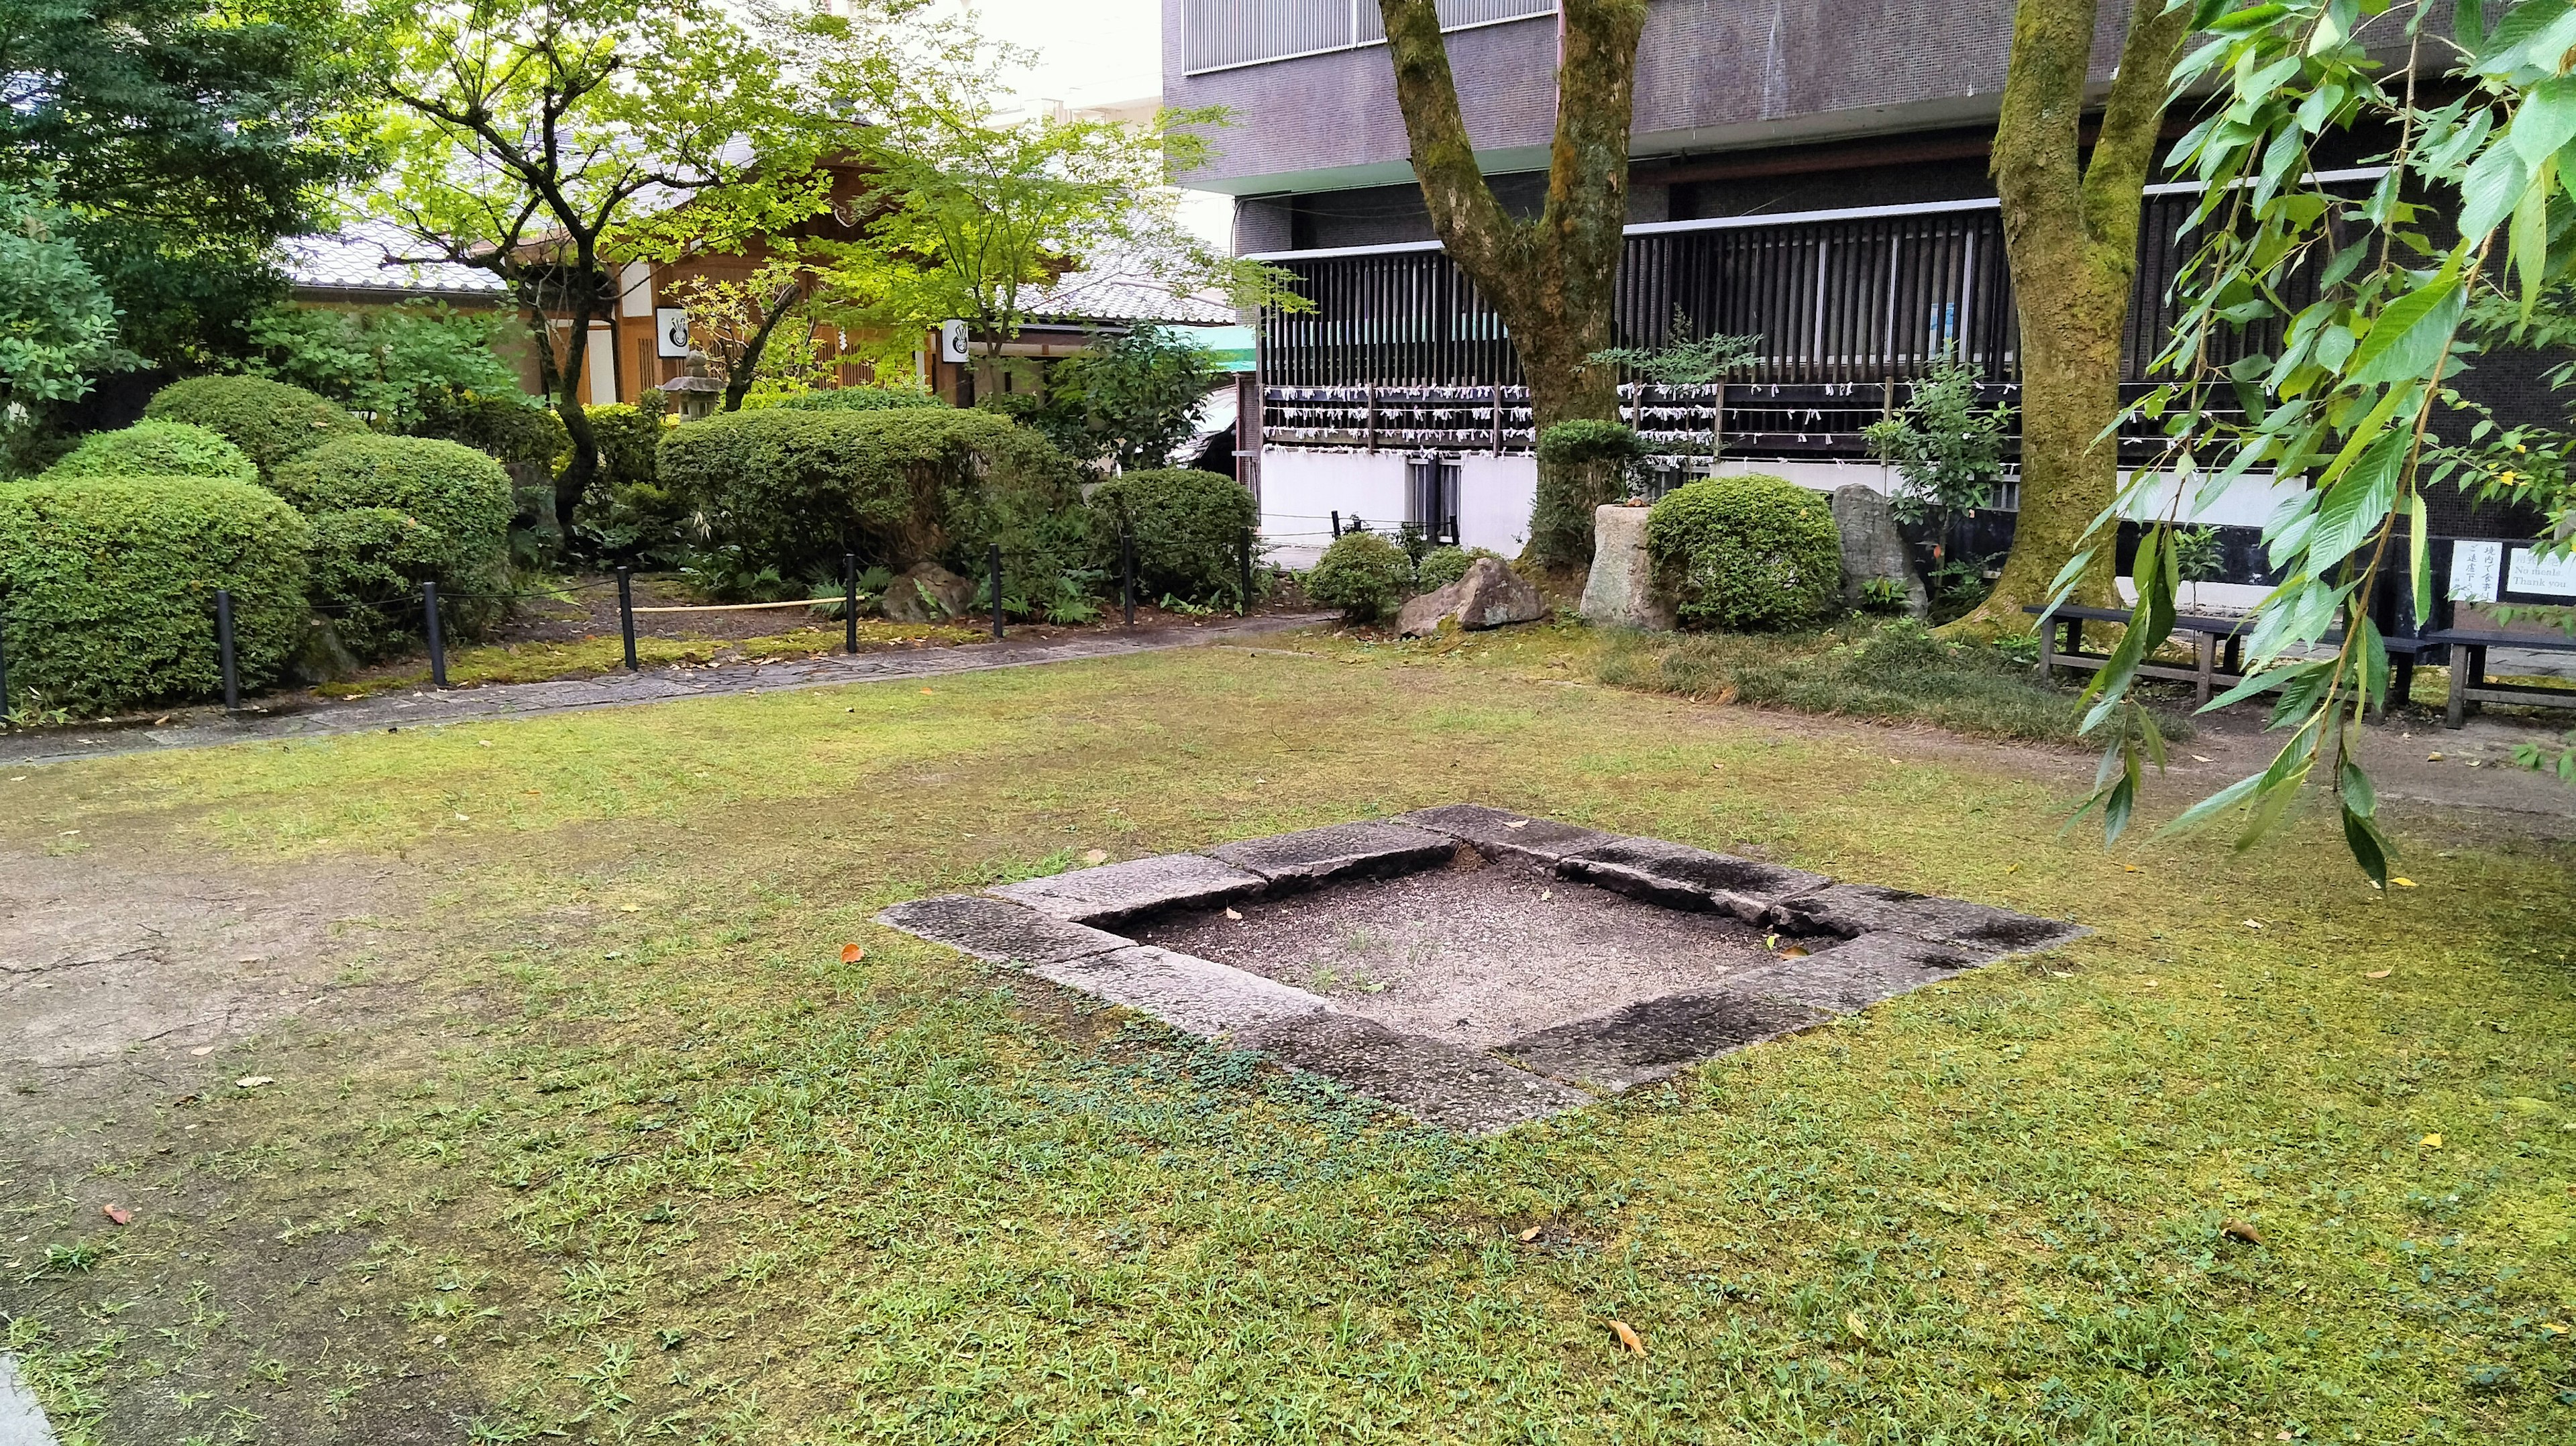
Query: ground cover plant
[[618, 1119]]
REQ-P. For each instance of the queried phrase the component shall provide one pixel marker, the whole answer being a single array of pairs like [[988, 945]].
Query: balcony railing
[[1222, 34]]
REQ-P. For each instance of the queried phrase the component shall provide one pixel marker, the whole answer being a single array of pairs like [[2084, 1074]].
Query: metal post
[[1337, 522], [1127, 570], [4, 658], [1246, 606], [437, 640], [224, 649], [626, 612], [993, 556], [1498, 419], [849, 602], [1717, 428]]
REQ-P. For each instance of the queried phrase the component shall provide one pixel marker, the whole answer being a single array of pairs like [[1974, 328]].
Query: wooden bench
[[2217, 645], [2469, 680]]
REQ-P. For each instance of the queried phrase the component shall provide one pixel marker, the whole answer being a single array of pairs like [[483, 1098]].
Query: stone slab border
[[1888, 942]]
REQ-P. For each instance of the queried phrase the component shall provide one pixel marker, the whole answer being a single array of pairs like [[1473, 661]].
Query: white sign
[[2547, 576], [952, 341], [671, 330], [2474, 570]]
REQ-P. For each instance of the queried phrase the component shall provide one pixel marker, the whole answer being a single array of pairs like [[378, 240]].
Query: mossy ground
[[544, 661], [632, 1153]]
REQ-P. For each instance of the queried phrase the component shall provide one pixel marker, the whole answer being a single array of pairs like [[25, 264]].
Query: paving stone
[[1182, 990], [1857, 973], [1435, 1082], [1680, 877], [1140, 886], [1367, 847], [1656, 1037], [1855, 909], [997, 930], [1494, 831]]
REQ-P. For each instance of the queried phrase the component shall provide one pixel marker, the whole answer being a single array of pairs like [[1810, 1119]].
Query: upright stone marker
[[1873, 548], [1621, 591]]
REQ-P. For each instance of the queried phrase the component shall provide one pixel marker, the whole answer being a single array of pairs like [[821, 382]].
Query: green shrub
[[1583, 463], [796, 488], [271, 421], [1188, 526], [1746, 553], [515, 430], [156, 449], [108, 584], [628, 436], [390, 513], [1364, 575], [843, 399], [1442, 566]]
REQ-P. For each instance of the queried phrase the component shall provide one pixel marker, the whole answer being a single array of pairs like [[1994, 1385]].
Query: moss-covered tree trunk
[[1552, 279], [2071, 236]]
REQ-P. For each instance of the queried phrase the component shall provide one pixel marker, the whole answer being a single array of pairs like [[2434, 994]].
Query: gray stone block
[[1622, 590], [1438, 1083], [1184, 991], [1494, 831], [1857, 973], [997, 930], [1140, 886], [1873, 549], [1490, 595], [1852, 910], [1648, 1040], [1679, 877], [1316, 854]]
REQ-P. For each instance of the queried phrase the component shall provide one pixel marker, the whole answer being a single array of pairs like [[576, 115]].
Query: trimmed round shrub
[[156, 449], [270, 421], [390, 513], [796, 488], [1188, 527], [1746, 553], [1364, 575], [1442, 566], [108, 585], [843, 399], [513, 430], [628, 437]]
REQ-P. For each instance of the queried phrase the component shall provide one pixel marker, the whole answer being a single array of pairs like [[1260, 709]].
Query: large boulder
[[928, 593], [1488, 596], [1873, 548], [1621, 590]]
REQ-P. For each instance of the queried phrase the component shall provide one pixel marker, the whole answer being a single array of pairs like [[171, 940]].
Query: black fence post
[[1244, 608], [849, 602], [224, 649], [437, 638], [1337, 522], [994, 556], [1127, 570], [626, 612], [4, 657]]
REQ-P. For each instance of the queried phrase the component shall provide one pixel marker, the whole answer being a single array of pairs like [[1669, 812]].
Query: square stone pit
[[1473, 967]]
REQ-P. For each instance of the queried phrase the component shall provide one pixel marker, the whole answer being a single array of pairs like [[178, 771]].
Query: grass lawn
[[541, 661], [596, 1136]]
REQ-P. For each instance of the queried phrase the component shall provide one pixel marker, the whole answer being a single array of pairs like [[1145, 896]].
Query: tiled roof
[[1104, 295], [359, 258]]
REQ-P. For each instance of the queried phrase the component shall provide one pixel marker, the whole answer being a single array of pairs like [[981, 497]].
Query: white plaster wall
[[1495, 495], [1300, 490]]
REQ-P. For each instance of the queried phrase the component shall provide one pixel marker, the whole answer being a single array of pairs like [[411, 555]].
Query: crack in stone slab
[[1495, 831]]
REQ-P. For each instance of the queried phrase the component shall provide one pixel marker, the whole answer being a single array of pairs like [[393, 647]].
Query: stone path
[[309, 717]]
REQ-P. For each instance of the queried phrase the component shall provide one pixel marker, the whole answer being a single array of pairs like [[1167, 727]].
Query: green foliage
[[1947, 450], [270, 421], [1884, 595], [1589, 440], [630, 438], [1363, 574], [1131, 399], [1685, 362], [392, 364], [109, 583], [843, 399], [1442, 566], [1746, 553], [1188, 527], [57, 326], [2199, 554], [1603, 455], [511, 427], [156, 449], [390, 513]]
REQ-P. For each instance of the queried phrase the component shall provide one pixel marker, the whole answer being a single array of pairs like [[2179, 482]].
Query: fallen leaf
[[1857, 1326], [2379, 973], [2253, 923], [925, 690], [2202, 758], [1529, 1235], [1231, 914], [254, 1081], [2012, 868], [630, 908], [1517, 823], [2241, 1230], [852, 953], [2059, 974], [482, 742], [2403, 883], [117, 1213], [2432, 757], [1793, 952], [460, 818], [1546, 894], [1628, 1337], [2132, 868], [1096, 856], [2431, 1142]]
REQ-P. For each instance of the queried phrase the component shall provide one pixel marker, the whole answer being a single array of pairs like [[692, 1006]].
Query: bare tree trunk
[[2071, 237], [1553, 279]]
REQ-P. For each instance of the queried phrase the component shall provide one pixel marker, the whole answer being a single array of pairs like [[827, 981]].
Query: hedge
[[843, 399], [514, 430], [390, 513], [270, 421], [107, 586], [797, 488], [628, 438], [156, 449], [1188, 526], [1364, 575], [1746, 553]]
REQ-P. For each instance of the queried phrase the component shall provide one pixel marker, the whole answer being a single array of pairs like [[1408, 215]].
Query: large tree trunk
[[1553, 279], [2071, 237]]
